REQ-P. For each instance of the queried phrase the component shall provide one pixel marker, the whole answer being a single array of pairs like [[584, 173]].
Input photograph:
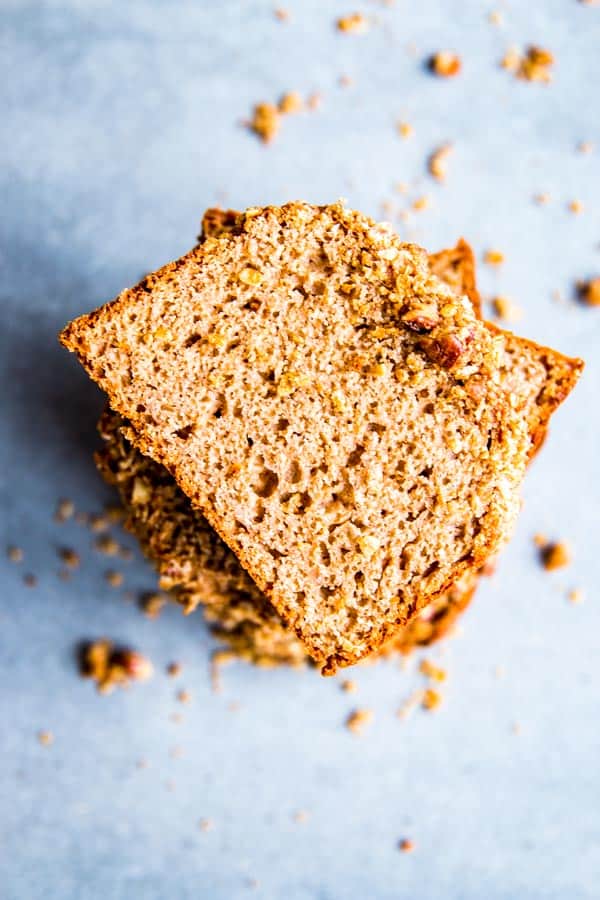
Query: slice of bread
[[330, 406]]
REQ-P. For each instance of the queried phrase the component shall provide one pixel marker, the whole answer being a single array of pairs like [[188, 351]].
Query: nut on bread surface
[[332, 408]]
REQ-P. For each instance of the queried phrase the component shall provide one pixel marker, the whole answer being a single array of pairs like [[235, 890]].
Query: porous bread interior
[[354, 482]]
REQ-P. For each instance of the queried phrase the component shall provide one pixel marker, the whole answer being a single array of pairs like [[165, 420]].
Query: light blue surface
[[121, 123]]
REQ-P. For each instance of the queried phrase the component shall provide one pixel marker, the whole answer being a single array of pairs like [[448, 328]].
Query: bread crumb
[[15, 554], [349, 686], [219, 659], [540, 540], [114, 579], [29, 580], [114, 513], [555, 556], [250, 276], [125, 553], [405, 129], [301, 817], [435, 673], [142, 764], [576, 207], [499, 671], [589, 292], [107, 544], [401, 187], [358, 720], [495, 18], [265, 121], [111, 666], [516, 728], [281, 14], [70, 557], [46, 738], [176, 752], [184, 696], [314, 100], [585, 147], [290, 103], [353, 24], [575, 596], [541, 199], [406, 845], [345, 81], [174, 669], [206, 824], [64, 510], [421, 203], [437, 162], [534, 64], [445, 64], [493, 257], [98, 523], [410, 704], [505, 309], [152, 604], [431, 699]]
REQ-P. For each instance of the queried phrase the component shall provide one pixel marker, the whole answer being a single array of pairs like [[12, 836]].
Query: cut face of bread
[[332, 408]]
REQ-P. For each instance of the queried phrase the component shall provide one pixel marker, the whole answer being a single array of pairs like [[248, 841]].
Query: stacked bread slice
[[314, 433]]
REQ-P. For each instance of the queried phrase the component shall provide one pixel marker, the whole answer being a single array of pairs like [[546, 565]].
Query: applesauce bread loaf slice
[[331, 407]]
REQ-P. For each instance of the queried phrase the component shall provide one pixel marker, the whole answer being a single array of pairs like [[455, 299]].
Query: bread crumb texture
[[324, 415]]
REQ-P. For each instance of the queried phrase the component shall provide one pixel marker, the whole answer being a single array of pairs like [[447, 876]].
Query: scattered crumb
[[114, 579], [282, 15], [314, 101], [107, 545], [348, 686], [354, 24], [64, 574], [493, 257], [516, 728], [174, 669], [184, 696], [98, 523], [176, 752], [405, 129], [29, 580], [265, 121], [125, 553], [152, 604], [114, 513], [505, 309], [176, 717], [70, 557], [219, 659], [401, 187], [445, 64], [406, 845], [499, 671], [290, 103], [82, 518], [358, 720], [252, 883], [170, 785], [421, 203], [575, 596], [495, 17], [540, 540], [585, 147], [437, 162], [430, 670], [206, 824], [589, 292], [345, 81], [46, 738], [576, 207], [110, 666], [541, 199], [142, 764], [535, 64], [301, 817], [431, 699], [410, 704], [555, 556], [64, 510], [15, 554]]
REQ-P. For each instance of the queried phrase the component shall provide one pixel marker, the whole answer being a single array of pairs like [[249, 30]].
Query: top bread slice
[[330, 406]]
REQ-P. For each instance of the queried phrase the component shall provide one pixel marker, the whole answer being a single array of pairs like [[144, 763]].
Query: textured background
[[121, 123]]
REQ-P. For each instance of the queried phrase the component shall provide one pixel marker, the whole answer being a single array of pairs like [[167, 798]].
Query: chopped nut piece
[[290, 103], [46, 738], [406, 845], [493, 257], [109, 666], [70, 557], [358, 720], [114, 579], [589, 292], [250, 276], [437, 161], [64, 510], [15, 554], [431, 699], [445, 63], [354, 24], [421, 319], [505, 309], [555, 556], [107, 545], [349, 686], [405, 130], [435, 673], [265, 121]]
